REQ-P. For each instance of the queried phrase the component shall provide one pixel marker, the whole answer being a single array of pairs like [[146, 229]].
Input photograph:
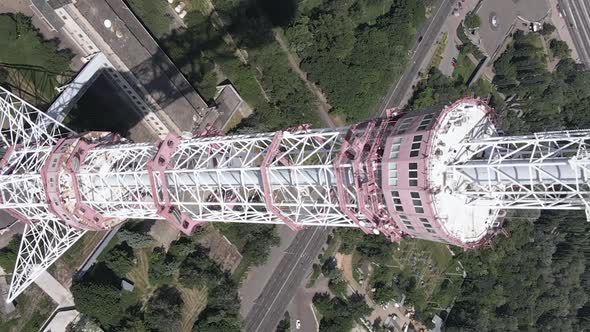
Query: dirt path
[[344, 263], [194, 302], [323, 106], [140, 273]]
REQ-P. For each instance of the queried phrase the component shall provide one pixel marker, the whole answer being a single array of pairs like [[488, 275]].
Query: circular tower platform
[[418, 183]]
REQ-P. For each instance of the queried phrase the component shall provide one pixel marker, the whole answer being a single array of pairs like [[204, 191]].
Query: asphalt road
[[577, 15], [270, 306], [398, 90]]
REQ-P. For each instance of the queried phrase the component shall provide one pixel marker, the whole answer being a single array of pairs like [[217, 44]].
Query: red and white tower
[[442, 175]]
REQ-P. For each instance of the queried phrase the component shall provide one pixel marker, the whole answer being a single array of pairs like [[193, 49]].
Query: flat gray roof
[[142, 55]]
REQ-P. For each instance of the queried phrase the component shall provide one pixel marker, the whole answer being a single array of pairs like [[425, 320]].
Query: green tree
[[99, 301], [350, 237], [548, 29], [536, 279], [163, 311], [163, 267], [8, 254], [384, 294], [136, 240], [340, 314], [223, 309], [338, 286], [120, 259], [285, 323], [181, 248], [559, 48], [472, 20], [199, 271]]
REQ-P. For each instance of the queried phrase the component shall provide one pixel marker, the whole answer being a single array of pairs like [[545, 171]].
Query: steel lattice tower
[[443, 175]]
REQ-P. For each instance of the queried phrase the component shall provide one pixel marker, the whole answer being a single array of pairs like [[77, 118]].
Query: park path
[[323, 106]]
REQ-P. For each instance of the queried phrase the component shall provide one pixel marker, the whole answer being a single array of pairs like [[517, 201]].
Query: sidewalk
[[55, 290]]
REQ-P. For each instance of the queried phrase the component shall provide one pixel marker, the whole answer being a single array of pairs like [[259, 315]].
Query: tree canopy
[[365, 40], [198, 270], [538, 99], [340, 314], [164, 310], [9, 254], [472, 20], [120, 259], [135, 239], [98, 300], [223, 309], [536, 279], [559, 48]]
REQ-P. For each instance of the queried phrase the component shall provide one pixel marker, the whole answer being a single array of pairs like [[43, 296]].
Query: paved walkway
[[58, 293], [61, 320], [450, 27], [301, 306]]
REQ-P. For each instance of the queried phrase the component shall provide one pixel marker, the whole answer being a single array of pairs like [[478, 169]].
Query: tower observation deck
[[443, 175]]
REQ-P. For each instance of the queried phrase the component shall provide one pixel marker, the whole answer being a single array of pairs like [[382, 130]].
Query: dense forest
[[538, 99], [535, 279], [355, 49]]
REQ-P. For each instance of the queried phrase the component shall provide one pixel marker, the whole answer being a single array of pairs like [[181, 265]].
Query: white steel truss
[[223, 179], [62, 184], [27, 136], [22, 123], [42, 244], [548, 170]]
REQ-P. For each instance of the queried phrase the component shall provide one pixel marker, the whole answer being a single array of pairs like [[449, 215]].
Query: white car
[[183, 14], [298, 324]]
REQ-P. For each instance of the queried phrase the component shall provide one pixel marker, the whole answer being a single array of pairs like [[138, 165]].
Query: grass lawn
[[33, 66], [464, 68], [241, 270], [440, 50], [67, 265]]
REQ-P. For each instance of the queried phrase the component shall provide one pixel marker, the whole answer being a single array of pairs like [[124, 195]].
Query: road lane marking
[[576, 31], [285, 280], [416, 51]]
